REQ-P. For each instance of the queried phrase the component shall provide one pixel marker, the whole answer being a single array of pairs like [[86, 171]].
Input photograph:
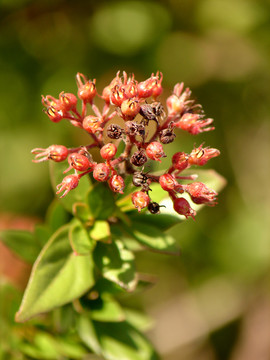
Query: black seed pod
[[167, 136], [151, 111], [132, 128], [153, 207], [114, 131], [138, 158]]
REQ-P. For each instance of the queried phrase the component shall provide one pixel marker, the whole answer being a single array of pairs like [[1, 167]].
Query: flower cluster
[[138, 105]]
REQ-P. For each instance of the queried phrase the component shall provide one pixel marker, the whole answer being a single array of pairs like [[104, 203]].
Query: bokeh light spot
[[125, 28]]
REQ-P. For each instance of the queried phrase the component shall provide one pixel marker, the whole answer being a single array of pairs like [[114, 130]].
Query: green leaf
[[116, 264], [116, 341], [104, 308], [153, 238], [56, 215], [138, 319], [79, 239], [161, 221], [75, 195], [58, 277], [88, 334], [101, 201], [45, 346], [42, 234], [101, 231], [22, 243], [82, 212]]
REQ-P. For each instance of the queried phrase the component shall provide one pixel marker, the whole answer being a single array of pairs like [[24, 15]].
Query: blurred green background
[[213, 301]]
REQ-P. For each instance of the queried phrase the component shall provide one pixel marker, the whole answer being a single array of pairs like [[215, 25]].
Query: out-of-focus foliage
[[213, 300]]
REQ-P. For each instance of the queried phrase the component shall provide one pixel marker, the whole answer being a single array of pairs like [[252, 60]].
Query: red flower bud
[[108, 151], [68, 101], [131, 89], [117, 95], [201, 194], [56, 153], [70, 182], [101, 172], [92, 124], [180, 161], [151, 86], [167, 182], [130, 108], [200, 156], [140, 200], [106, 94], [53, 108], [182, 207], [86, 88], [116, 183], [155, 151], [157, 89], [78, 162]]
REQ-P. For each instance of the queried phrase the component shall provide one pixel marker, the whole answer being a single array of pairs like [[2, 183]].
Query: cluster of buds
[[138, 105]]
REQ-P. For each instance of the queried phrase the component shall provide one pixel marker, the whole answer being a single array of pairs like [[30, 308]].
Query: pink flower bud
[[86, 88], [116, 183], [131, 89], [180, 161], [155, 151], [182, 207], [78, 162], [53, 108], [117, 95], [108, 151], [201, 194], [140, 200], [151, 86], [68, 101], [70, 182], [56, 153], [92, 124], [130, 108], [106, 94], [167, 182], [101, 172]]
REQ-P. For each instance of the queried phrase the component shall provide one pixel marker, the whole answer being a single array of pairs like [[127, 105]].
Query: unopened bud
[[201, 194], [92, 124], [68, 101], [108, 151], [180, 161], [116, 183], [130, 108], [101, 172], [79, 162], [155, 151], [182, 207], [167, 182], [140, 200], [117, 95], [86, 88]]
